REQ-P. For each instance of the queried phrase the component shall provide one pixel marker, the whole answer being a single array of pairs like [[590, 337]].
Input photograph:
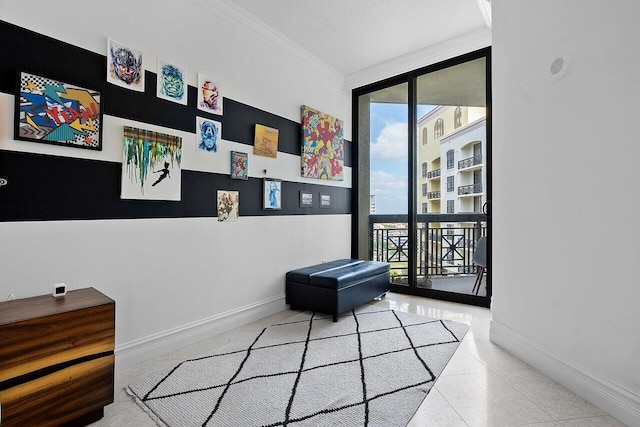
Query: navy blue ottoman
[[337, 286]]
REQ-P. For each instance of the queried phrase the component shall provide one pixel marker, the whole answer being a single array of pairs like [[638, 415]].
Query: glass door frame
[[359, 205]]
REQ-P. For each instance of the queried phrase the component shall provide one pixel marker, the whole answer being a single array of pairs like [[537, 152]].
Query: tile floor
[[482, 384]]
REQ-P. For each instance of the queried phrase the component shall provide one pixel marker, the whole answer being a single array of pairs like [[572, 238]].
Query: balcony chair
[[480, 259]]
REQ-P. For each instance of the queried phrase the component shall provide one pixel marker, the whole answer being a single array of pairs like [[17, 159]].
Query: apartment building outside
[[451, 156]]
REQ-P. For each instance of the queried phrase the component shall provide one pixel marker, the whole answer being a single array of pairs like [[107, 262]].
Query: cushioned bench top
[[302, 275], [337, 274], [338, 278]]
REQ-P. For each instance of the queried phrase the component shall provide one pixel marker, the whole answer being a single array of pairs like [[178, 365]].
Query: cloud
[[390, 192], [386, 184], [391, 143]]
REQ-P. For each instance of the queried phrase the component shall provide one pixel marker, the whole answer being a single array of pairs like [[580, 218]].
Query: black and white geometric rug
[[371, 368]]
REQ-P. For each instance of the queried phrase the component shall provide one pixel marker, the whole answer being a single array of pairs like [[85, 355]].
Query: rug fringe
[[145, 408]]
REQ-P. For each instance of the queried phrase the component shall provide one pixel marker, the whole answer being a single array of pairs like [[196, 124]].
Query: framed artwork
[[124, 66], [322, 145], [239, 165], [208, 134], [150, 165], [228, 205], [265, 142], [54, 112], [209, 95], [272, 194], [325, 200], [306, 199], [172, 82]]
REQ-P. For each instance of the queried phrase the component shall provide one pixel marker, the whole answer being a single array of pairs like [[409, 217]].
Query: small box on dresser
[[56, 359]]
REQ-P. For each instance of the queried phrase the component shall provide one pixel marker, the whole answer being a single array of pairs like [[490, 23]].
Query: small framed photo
[[239, 165], [272, 194], [228, 205], [325, 200], [306, 199]]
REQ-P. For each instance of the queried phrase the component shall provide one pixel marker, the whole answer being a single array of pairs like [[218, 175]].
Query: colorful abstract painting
[[124, 66], [54, 112], [228, 205], [208, 133], [265, 142], [322, 145], [150, 165], [239, 165], [209, 95], [172, 82]]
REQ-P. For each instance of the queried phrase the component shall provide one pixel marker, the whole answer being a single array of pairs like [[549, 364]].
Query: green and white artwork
[[150, 165], [172, 82]]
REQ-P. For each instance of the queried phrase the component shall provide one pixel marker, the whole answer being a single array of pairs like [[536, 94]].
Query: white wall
[[168, 276], [565, 193]]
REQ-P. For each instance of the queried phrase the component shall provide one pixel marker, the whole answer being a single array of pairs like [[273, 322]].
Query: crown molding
[[421, 58], [236, 15]]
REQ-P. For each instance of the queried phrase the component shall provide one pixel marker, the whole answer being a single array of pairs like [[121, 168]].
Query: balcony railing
[[433, 195], [445, 244], [469, 189], [433, 174], [471, 161]]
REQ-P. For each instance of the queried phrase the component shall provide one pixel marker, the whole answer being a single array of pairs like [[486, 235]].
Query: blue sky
[[389, 152]]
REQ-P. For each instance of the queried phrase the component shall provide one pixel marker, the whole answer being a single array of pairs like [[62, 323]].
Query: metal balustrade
[[469, 189], [433, 174], [433, 195], [470, 161], [445, 244]]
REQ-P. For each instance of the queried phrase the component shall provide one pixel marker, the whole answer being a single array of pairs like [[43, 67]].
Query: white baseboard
[[616, 401], [136, 351]]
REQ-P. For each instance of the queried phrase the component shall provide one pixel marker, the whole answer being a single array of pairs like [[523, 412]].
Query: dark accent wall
[[46, 187]]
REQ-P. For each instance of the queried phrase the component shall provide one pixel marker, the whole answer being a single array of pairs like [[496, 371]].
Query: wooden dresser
[[56, 359]]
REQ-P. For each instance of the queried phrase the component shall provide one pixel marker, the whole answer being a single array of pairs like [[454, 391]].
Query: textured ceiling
[[353, 35]]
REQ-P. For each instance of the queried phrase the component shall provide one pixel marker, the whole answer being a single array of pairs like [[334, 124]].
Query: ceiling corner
[[485, 11]]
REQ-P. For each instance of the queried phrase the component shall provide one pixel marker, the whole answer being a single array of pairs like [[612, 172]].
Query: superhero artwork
[[322, 145], [172, 82], [124, 66], [209, 95]]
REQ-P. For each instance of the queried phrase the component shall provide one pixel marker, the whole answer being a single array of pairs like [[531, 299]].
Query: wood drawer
[[60, 397], [56, 359], [42, 332]]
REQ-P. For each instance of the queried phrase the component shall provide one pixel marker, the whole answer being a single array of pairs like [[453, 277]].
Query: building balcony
[[470, 190], [444, 243], [433, 195], [433, 174], [470, 163]]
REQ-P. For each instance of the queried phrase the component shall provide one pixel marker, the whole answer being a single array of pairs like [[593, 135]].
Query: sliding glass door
[[422, 177]]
